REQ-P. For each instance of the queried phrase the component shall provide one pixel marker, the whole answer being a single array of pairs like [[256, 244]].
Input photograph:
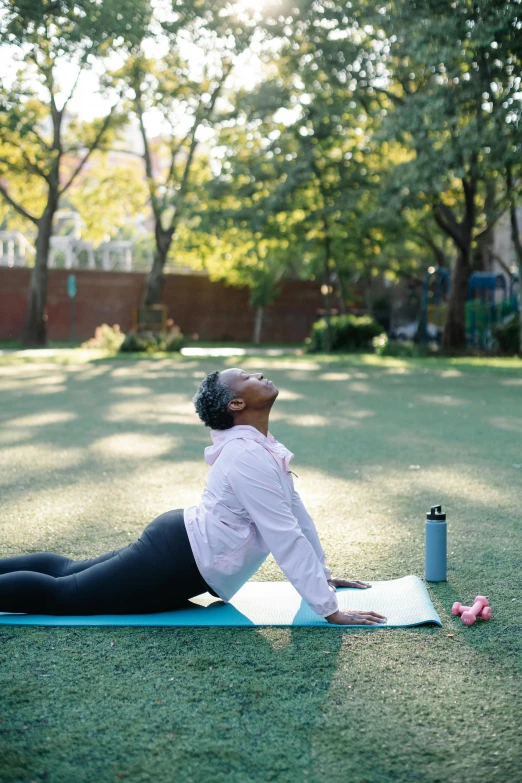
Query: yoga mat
[[403, 601]]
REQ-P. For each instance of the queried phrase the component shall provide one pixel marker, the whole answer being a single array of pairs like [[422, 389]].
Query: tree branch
[[139, 155], [513, 218], [39, 139], [438, 252], [489, 225], [56, 115], [33, 166], [147, 157], [445, 218], [81, 64], [469, 187], [173, 153], [66, 101], [17, 207], [502, 263], [396, 99], [193, 144], [93, 146]]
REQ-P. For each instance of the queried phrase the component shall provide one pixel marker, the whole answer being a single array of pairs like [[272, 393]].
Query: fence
[[212, 310]]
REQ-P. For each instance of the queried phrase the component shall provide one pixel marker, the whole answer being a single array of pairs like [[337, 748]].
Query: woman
[[249, 508]]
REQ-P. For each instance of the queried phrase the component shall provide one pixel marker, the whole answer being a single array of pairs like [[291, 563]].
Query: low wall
[[213, 310]]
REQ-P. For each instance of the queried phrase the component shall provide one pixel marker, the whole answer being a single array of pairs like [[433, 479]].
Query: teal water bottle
[[436, 545]]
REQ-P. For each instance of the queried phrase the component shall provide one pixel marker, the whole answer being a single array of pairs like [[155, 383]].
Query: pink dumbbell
[[469, 614]]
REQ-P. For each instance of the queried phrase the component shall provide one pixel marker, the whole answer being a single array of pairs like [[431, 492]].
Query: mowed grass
[[91, 452]]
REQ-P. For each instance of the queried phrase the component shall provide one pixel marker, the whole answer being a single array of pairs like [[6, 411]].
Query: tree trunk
[[326, 259], [515, 237], [35, 330], [440, 256], [520, 308], [156, 279], [517, 244], [454, 336], [327, 318], [483, 254], [340, 292], [327, 294], [368, 293], [258, 323]]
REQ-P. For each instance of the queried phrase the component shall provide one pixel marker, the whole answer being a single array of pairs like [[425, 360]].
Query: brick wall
[[213, 310]]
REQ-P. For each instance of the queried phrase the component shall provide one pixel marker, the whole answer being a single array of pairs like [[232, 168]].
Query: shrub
[[507, 335], [134, 342], [149, 342], [403, 349], [349, 333], [106, 338], [380, 344], [174, 339]]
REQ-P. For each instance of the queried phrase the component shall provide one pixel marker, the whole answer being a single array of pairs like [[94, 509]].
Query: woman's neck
[[260, 423]]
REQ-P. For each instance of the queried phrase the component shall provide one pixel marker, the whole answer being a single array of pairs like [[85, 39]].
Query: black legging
[[156, 573]]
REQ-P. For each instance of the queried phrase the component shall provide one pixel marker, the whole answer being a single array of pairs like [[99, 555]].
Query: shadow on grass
[[212, 703]]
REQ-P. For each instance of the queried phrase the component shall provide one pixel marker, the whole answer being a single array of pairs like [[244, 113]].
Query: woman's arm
[[338, 618], [255, 482], [307, 525]]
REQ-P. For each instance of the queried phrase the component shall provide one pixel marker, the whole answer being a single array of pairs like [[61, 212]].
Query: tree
[[444, 77], [108, 197], [37, 137], [243, 258], [21, 186], [516, 237], [218, 234], [317, 167], [183, 87]]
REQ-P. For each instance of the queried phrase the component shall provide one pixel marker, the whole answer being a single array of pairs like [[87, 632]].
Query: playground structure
[[491, 300], [489, 304], [116, 253], [67, 250], [15, 249]]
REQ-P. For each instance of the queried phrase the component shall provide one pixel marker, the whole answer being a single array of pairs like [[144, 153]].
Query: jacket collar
[[246, 432]]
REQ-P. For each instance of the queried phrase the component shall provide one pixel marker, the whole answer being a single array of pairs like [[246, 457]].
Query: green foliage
[[150, 342], [107, 197], [507, 335], [449, 105], [349, 333], [33, 136], [40, 43], [112, 339], [191, 101], [375, 142], [311, 183], [380, 344], [402, 349], [106, 338]]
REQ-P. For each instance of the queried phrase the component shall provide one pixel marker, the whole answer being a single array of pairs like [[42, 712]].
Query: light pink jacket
[[250, 508]]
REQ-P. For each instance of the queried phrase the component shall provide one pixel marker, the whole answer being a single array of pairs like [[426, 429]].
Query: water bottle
[[436, 547]]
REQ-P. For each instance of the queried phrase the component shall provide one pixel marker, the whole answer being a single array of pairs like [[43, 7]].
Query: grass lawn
[[92, 451]]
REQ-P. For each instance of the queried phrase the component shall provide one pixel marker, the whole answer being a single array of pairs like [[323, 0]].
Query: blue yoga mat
[[403, 601]]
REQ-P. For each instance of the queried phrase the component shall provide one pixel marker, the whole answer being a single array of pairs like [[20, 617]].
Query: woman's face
[[253, 388]]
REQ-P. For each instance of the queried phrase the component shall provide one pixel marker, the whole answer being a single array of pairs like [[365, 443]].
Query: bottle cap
[[436, 514]]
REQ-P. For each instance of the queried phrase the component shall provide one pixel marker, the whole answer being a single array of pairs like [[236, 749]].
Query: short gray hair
[[211, 402]]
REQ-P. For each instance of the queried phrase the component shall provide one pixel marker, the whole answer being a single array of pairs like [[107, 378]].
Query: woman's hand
[[355, 618], [338, 582], [349, 617]]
